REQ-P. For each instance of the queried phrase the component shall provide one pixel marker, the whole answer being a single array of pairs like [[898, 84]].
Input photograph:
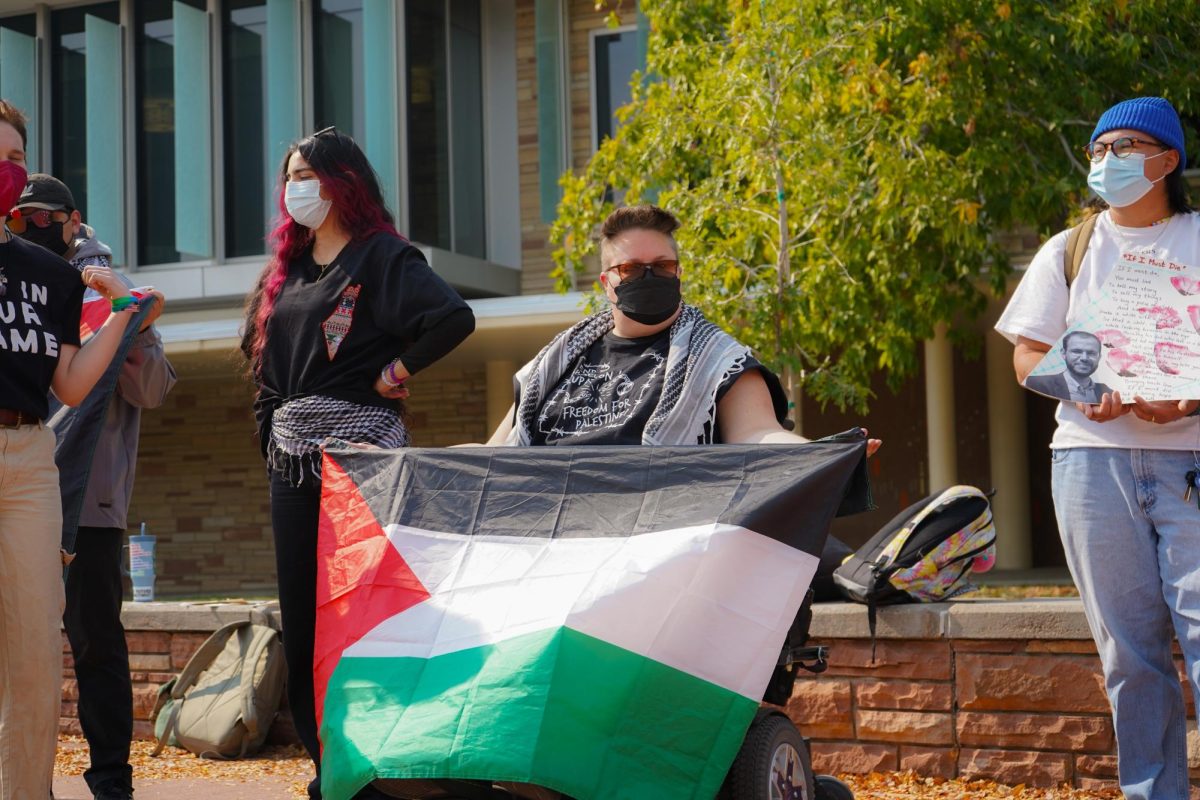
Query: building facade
[[169, 120]]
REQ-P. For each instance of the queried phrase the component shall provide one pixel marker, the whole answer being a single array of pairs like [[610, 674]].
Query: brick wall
[[536, 259], [201, 486], [582, 18], [939, 698], [1017, 710]]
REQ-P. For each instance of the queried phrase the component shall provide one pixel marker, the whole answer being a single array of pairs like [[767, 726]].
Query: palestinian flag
[[601, 621]]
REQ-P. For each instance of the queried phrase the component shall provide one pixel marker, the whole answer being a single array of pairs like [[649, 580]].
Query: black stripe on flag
[[790, 493]]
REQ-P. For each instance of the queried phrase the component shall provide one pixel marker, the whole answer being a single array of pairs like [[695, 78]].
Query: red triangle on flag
[[361, 579]]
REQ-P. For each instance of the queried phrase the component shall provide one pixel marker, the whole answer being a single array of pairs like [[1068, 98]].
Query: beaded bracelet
[[121, 303], [388, 375]]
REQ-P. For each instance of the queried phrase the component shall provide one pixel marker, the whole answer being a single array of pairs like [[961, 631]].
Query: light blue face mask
[[1121, 182]]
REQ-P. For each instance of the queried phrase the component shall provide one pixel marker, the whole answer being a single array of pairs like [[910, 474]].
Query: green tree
[[845, 171]]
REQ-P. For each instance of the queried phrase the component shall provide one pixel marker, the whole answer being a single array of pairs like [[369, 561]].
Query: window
[[338, 66], [445, 125], [74, 34], [174, 133], [614, 60], [18, 74], [246, 171], [466, 108]]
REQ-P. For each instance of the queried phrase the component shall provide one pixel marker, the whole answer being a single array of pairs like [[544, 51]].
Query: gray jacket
[[145, 379]]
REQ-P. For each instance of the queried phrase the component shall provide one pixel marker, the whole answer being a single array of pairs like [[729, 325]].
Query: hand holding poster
[[1140, 338]]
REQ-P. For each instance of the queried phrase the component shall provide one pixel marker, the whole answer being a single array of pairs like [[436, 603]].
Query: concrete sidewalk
[[268, 788]]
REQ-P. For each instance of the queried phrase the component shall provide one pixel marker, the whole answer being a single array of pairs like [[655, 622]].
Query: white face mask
[[304, 204], [1121, 182]]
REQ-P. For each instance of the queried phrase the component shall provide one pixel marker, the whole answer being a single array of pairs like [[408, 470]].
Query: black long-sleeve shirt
[[331, 333]]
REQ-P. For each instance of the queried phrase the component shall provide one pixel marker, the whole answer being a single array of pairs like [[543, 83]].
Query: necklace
[[1147, 249], [322, 267]]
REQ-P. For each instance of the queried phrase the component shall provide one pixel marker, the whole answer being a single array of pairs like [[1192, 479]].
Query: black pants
[[294, 516], [93, 622]]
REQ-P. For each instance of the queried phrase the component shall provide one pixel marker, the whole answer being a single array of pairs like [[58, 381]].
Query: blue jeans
[[1133, 546]]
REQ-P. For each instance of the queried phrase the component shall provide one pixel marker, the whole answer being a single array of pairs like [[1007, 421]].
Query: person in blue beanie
[[1121, 466]]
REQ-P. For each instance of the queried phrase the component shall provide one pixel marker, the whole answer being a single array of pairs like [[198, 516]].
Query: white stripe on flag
[[714, 601]]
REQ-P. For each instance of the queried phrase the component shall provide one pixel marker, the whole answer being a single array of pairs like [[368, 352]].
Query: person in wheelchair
[[650, 369]]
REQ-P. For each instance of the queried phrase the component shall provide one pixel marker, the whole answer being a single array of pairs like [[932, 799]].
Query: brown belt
[[15, 419]]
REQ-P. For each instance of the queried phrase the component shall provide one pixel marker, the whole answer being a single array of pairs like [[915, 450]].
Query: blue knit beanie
[[1152, 115]]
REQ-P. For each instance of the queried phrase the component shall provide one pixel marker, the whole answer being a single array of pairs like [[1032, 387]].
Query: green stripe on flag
[[556, 708]]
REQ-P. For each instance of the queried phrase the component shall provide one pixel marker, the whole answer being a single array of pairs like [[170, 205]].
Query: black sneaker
[[114, 791]]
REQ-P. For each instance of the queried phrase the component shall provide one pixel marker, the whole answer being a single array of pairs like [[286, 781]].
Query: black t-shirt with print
[[39, 313], [331, 333], [610, 392]]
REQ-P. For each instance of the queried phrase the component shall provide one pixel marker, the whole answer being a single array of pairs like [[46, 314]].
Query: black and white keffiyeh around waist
[[300, 426], [700, 358]]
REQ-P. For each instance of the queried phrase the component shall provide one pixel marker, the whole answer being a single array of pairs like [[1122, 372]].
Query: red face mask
[[12, 180]]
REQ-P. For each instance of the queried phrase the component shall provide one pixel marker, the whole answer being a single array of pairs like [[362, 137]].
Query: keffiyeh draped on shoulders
[[700, 359]]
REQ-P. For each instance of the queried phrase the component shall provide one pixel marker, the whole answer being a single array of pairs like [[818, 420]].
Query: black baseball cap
[[46, 191]]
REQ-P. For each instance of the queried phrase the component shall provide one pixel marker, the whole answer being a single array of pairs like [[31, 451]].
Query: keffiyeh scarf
[[299, 427], [700, 358]]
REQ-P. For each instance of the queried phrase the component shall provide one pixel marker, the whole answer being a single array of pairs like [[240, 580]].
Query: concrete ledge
[[1050, 618], [183, 616], [1043, 618]]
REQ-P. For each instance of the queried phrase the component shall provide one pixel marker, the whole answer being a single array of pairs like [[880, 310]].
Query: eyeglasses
[[18, 223], [636, 270], [1121, 148]]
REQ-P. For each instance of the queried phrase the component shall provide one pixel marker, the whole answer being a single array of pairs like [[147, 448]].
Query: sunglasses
[[19, 221], [636, 270]]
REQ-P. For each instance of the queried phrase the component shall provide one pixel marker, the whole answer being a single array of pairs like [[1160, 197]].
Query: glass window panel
[[18, 75], [617, 58], [22, 23], [68, 71], [155, 66], [244, 29], [428, 123], [466, 87], [338, 66]]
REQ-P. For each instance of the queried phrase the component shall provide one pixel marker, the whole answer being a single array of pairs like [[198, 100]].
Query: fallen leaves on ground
[[289, 763], [1022, 592], [292, 764], [910, 786]]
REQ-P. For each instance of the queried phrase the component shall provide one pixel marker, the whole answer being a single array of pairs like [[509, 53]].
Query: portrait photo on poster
[[1140, 337]]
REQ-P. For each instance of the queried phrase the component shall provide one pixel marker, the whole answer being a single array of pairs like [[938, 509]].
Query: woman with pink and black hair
[[345, 311]]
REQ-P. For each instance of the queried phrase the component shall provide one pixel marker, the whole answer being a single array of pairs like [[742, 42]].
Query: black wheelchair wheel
[[830, 788], [773, 763]]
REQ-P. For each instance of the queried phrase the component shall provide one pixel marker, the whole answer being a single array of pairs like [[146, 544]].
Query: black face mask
[[49, 237], [649, 300]]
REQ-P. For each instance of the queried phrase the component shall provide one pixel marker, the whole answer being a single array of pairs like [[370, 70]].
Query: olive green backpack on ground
[[223, 702]]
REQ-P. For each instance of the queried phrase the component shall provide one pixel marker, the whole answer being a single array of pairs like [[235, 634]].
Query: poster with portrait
[[1141, 337]]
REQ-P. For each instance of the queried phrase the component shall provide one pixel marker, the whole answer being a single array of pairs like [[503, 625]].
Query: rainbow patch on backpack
[[337, 325]]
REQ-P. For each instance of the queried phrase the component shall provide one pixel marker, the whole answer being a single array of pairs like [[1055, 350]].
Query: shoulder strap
[[200, 660], [169, 730], [262, 639], [1077, 244]]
